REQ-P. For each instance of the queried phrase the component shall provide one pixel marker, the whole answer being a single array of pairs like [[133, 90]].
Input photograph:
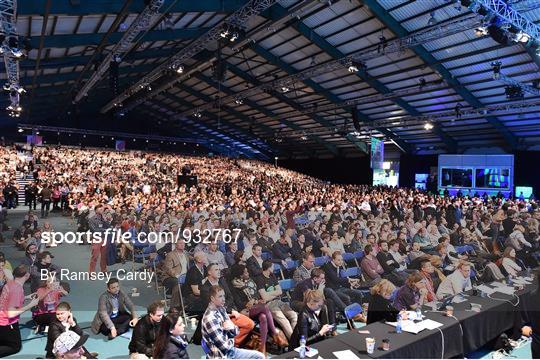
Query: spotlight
[[224, 34], [180, 69], [352, 68], [239, 101], [21, 90], [428, 126], [117, 58], [284, 89], [21, 130], [432, 19], [481, 31], [18, 108], [197, 114], [522, 37], [7, 87], [149, 88], [234, 36]]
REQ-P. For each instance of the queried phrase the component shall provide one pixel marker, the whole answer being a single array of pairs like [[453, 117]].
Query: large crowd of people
[[409, 248]]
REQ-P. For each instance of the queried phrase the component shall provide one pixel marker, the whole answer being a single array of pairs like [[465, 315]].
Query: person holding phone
[[62, 322], [48, 293], [312, 324]]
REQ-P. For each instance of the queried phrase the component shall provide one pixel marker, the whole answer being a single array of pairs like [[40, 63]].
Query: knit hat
[[68, 341]]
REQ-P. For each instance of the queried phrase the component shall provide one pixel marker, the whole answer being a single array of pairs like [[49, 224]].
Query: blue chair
[[348, 257], [286, 284], [358, 255], [205, 347], [291, 264], [320, 261], [351, 311], [350, 272], [266, 255]]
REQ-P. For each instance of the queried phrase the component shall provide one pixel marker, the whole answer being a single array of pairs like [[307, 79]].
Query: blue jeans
[[236, 353]]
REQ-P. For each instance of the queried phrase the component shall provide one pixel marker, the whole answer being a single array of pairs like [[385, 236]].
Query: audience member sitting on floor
[[48, 293], [146, 330], [70, 345], [62, 322], [218, 331], [313, 322], [171, 341], [116, 312]]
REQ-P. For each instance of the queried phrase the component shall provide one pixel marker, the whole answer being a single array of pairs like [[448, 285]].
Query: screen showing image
[[420, 178], [493, 178], [525, 190], [456, 177]]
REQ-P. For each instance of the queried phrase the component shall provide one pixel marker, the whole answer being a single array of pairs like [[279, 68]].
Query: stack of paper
[[345, 355], [414, 328], [486, 289]]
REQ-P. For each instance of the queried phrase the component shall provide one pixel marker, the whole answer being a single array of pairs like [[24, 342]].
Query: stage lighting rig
[[513, 92]]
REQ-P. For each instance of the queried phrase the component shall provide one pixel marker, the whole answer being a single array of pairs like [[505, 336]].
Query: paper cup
[[370, 345]]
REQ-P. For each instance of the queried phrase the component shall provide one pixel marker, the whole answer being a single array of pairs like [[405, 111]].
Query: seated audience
[[171, 341], [413, 294], [509, 262], [146, 330], [218, 331], [380, 305], [270, 292], [313, 322], [457, 282]]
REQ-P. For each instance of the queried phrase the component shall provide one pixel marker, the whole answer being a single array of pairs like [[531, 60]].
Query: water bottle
[[302, 350], [398, 325], [418, 313], [509, 280]]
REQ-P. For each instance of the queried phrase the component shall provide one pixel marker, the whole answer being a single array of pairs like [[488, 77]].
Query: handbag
[[254, 341]]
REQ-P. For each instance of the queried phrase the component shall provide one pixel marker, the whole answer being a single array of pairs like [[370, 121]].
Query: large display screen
[[451, 177], [493, 178], [526, 191]]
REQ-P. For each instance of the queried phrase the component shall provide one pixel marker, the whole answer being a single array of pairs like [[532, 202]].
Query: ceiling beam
[[243, 138], [81, 8], [207, 130], [430, 60], [266, 130], [332, 148], [308, 33], [72, 40]]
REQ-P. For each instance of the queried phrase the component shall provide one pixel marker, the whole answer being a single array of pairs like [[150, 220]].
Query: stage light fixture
[[284, 89], [224, 34], [522, 37], [7, 87], [234, 36], [428, 126], [239, 101], [180, 69], [481, 31]]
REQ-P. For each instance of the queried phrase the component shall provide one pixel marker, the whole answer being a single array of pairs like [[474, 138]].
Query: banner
[[34, 140], [120, 145], [377, 153]]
